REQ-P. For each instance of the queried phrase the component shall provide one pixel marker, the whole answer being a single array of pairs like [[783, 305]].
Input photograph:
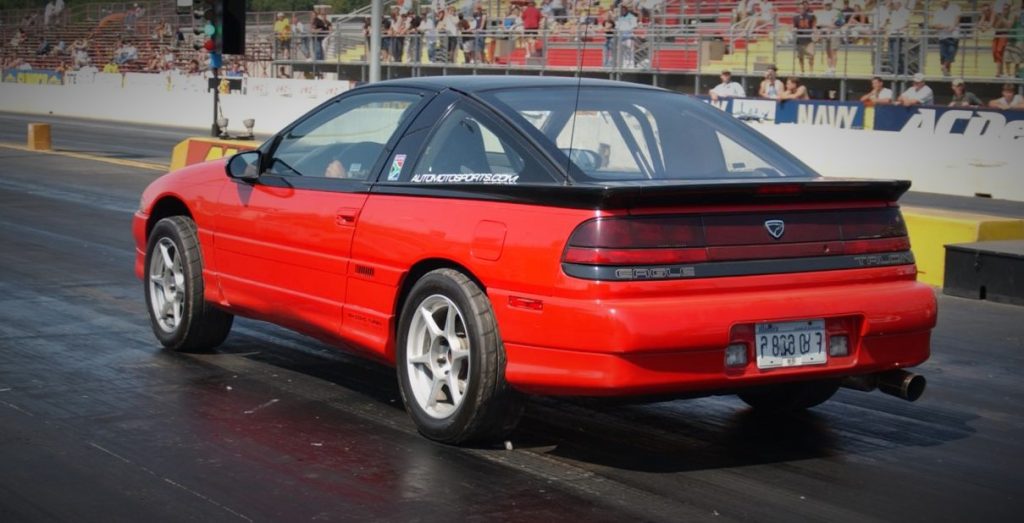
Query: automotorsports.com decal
[[486, 178]]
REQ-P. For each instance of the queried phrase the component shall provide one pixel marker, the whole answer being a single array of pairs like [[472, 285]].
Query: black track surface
[[97, 423]]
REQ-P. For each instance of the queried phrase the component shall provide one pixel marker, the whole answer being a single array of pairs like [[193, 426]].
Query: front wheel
[[180, 316], [790, 397], [451, 363]]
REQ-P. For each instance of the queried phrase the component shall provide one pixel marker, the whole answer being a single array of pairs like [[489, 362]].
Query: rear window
[[619, 134]]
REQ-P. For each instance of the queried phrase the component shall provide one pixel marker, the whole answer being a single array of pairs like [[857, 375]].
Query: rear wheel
[[790, 397], [451, 363], [180, 316]]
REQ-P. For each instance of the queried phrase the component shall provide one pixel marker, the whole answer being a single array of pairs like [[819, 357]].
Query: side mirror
[[244, 166]]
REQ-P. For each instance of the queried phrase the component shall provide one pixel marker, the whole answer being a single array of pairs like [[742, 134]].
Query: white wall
[[947, 164], [950, 164]]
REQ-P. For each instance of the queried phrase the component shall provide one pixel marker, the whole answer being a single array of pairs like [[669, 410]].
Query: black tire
[[790, 397], [489, 408], [201, 326]]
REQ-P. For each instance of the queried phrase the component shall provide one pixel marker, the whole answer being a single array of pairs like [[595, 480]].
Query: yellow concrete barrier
[[198, 150], [932, 229], [39, 137]]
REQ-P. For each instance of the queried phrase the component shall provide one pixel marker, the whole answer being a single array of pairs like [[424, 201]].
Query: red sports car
[[498, 236]]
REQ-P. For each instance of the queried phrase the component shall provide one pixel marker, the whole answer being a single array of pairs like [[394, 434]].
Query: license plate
[[790, 344]]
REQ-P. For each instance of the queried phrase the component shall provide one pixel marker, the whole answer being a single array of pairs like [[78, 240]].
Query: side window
[[343, 140], [467, 148]]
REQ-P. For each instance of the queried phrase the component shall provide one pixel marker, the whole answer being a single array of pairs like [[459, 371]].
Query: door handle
[[347, 216]]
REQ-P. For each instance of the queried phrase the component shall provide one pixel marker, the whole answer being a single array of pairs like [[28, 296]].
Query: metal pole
[[375, 17]]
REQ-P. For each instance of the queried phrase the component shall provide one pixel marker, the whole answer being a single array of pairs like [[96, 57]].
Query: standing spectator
[[48, 13], [626, 26], [479, 29], [946, 24], [130, 19], [414, 34], [609, 42], [898, 21], [918, 94], [830, 23], [728, 88], [1000, 22], [1015, 48], [319, 27], [879, 93], [1009, 100], [300, 36], [429, 30], [450, 28], [283, 36], [771, 87], [803, 25], [531, 24], [59, 13], [795, 90], [962, 97], [466, 39]]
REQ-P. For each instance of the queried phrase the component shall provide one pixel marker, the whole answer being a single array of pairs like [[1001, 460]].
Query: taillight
[[637, 241], [668, 240]]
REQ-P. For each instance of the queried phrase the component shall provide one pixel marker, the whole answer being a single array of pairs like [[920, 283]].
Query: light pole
[[374, 51]]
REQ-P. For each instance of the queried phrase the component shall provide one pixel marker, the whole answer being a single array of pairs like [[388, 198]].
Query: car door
[[283, 242]]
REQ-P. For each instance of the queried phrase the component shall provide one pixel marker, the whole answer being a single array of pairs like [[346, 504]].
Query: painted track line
[[91, 157]]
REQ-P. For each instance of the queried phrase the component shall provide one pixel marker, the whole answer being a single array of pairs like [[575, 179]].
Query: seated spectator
[[728, 88], [193, 67], [18, 38], [962, 97], [1009, 100], [879, 93], [23, 65], [152, 65], [771, 86], [111, 68], [125, 53], [795, 90], [918, 94], [44, 47]]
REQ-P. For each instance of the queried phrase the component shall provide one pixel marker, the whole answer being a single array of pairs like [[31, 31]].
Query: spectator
[[830, 25], [897, 22], [130, 19], [125, 53], [59, 13], [989, 21], [319, 27], [449, 26], [626, 26], [962, 97], [531, 25], [465, 38], [771, 86], [283, 35], [1015, 48], [795, 90], [946, 24], [193, 67], [44, 47], [1009, 100], [23, 65], [60, 49], [728, 88], [879, 93], [300, 36], [918, 94], [479, 30], [48, 13], [18, 38], [111, 68], [759, 16], [609, 42], [428, 28], [414, 35], [803, 25], [1002, 22]]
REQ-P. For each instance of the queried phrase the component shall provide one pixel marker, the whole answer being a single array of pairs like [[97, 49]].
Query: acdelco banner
[[930, 120]]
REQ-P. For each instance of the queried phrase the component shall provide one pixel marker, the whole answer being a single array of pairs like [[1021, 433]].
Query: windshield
[[642, 134]]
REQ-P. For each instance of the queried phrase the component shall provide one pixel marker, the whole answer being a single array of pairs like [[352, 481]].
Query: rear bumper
[[677, 344]]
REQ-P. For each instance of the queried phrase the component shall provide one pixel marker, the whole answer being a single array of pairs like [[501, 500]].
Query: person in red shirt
[[531, 24]]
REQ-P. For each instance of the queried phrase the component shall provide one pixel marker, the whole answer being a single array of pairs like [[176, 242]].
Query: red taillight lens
[[637, 241], [880, 223]]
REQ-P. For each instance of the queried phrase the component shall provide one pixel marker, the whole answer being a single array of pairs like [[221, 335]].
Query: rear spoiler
[[633, 194]]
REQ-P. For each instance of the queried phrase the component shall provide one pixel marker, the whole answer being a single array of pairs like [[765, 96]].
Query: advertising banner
[[932, 121], [841, 115], [32, 76]]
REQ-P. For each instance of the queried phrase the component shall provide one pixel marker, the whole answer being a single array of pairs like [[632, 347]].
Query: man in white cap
[[728, 88], [918, 94]]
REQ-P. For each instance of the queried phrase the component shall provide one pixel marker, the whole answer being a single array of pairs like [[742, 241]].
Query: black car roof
[[468, 83]]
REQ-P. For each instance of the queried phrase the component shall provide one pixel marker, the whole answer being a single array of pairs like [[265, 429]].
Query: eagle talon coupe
[[492, 237]]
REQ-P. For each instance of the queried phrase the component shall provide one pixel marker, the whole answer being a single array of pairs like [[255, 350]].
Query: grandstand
[[678, 38]]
